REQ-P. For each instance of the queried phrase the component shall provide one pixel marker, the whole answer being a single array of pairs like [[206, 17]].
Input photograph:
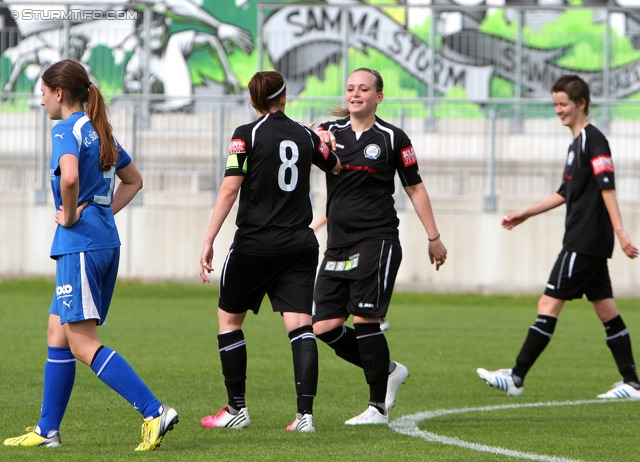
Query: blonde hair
[[339, 111]]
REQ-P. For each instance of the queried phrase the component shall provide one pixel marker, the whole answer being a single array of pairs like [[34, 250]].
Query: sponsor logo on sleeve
[[324, 150], [602, 164], [409, 156], [237, 145]]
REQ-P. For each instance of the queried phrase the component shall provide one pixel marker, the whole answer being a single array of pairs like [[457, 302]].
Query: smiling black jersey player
[[357, 275], [592, 218]]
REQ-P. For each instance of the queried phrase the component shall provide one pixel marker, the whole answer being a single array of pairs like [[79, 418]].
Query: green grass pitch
[[168, 334]]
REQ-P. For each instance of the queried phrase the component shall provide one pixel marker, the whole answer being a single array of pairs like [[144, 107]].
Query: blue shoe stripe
[[622, 393]]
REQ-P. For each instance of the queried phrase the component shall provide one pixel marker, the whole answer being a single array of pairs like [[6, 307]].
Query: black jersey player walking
[[592, 218], [363, 252], [274, 251]]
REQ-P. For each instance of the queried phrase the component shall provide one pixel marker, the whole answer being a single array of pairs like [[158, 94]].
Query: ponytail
[[98, 115], [266, 88]]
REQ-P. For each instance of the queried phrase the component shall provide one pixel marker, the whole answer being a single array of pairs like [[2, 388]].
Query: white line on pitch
[[407, 425]]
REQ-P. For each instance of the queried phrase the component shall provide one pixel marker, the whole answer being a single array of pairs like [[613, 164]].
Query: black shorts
[[286, 279], [357, 280], [575, 275]]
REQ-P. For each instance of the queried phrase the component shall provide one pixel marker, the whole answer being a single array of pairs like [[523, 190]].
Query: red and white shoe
[[302, 423], [224, 419]]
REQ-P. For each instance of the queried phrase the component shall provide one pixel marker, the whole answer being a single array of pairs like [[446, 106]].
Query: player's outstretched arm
[[515, 218]]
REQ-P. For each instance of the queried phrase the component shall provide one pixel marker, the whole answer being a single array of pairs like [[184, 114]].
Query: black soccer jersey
[[589, 169], [360, 201], [274, 154]]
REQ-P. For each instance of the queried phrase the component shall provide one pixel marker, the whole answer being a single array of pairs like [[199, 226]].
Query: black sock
[[538, 338], [343, 341], [381, 407], [619, 343], [305, 366], [374, 352], [233, 356]]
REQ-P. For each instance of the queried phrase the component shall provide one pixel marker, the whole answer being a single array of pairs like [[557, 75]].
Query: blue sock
[[59, 375], [113, 370]]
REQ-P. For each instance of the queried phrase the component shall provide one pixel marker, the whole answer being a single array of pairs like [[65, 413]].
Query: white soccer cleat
[[500, 379], [621, 390], [396, 378], [369, 417], [302, 423]]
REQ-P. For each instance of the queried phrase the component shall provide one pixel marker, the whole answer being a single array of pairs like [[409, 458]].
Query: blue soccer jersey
[[96, 228]]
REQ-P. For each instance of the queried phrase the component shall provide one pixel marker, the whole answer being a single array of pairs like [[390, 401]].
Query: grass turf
[[168, 334]]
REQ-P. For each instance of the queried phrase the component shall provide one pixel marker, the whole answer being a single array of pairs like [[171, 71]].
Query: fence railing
[[473, 97], [461, 157]]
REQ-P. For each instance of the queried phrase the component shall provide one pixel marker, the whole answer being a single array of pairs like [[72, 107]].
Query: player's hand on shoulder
[[327, 137]]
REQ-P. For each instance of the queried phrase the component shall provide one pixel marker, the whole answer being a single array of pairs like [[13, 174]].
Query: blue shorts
[[84, 285]]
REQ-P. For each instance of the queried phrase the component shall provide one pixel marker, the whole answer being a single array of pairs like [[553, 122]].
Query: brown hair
[[71, 76], [265, 89], [576, 88], [339, 111]]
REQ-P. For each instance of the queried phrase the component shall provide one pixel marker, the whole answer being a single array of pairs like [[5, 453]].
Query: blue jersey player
[[85, 161]]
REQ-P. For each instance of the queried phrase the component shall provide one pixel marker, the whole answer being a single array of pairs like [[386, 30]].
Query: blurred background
[[468, 80]]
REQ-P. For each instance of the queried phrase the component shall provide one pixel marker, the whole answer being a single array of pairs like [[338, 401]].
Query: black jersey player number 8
[[288, 164]]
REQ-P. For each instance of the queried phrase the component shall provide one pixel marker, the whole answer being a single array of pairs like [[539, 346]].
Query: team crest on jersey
[[570, 157], [237, 145], [602, 164], [372, 151], [324, 150], [409, 156]]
